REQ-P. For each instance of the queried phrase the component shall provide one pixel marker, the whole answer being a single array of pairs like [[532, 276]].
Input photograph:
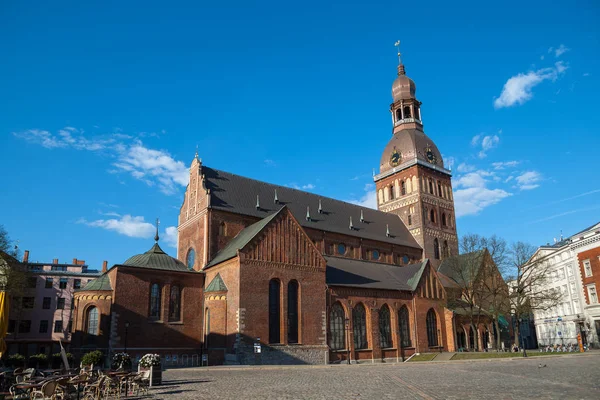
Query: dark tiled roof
[[156, 258], [570, 238], [241, 240], [216, 285], [102, 283], [373, 275], [237, 194], [462, 268]]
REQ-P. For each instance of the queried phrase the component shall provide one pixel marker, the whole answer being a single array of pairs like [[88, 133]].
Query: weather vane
[[397, 44]]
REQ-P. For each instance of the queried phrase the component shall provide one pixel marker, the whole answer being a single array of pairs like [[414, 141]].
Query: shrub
[[38, 360], [150, 360], [121, 360], [94, 357], [57, 360], [15, 360]]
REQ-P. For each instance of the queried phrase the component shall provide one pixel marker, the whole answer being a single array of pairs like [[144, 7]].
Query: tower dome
[[410, 144], [403, 87]]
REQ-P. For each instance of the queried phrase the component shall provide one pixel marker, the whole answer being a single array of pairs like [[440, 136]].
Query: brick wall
[[593, 255]]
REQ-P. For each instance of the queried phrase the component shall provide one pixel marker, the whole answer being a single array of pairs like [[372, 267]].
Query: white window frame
[[587, 266], [593, 287]]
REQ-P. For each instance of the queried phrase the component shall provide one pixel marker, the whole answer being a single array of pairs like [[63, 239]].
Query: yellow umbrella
[[3, 321]]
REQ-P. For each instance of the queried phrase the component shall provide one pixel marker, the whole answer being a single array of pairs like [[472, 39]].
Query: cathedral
[[267, 274]]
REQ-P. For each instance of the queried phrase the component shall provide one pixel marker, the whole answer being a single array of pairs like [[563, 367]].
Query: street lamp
[[521, 336], [401, 344], [126, 328], [347, 324]]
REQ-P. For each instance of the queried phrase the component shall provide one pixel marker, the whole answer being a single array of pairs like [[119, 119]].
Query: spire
[[308, 213], [401, 70], [320, 207], [196, 156], [156, 236], [276, 198]]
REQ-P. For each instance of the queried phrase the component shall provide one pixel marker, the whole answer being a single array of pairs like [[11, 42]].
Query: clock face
[[395, 158], [430, 156]]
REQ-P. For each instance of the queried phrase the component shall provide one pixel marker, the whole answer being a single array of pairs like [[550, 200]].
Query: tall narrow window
[[359, 325], [274, 311], [432, 333], [92, 321], [432, 215], [155, 301], [206, 327], [436, 249], [385, 329], [409, 219], [337, 327], [403, 187], [398, 115], [191, 258], [407, 112], [444, 219], [404, 325], [175, 304], [222, 229], [293, 312], [430, 186], [439, 189], [446, 251], [392, 192]]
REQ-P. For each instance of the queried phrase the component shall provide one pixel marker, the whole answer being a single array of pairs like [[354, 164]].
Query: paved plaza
[[564, 377]]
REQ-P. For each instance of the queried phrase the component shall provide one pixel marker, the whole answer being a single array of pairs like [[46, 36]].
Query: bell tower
[[412, 181]]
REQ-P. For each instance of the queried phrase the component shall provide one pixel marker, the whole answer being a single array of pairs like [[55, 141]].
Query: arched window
[[403, 187], [409, 219], [341, 249], [155, 301], [375, 255], [385, 329], [404, 326], [432, 333], [432, 215], [430, 186], [439, 189], [407, 112], [359, 326], [292, 312], [392, 192], [92, 325], [446, 251], [436, 249], [175, 304], [337, 329], [222, 229], [274, 311], [444, 219], [191, 258], [398, 115]]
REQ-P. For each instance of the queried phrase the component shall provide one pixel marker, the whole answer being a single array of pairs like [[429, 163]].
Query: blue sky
[[102, 107]]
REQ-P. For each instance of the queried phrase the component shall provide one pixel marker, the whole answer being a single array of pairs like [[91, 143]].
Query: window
[[155, 301], [191, 259], [392, 192], [44, 326], [63, 283], [48, 283], [175, 304], [77, 284], [436, 249], [60, 303], [31, 282], [587, 267], [222, 229], [398, 115], [72, 303], [337, 327], [403, 187], [432, 333], [375, 255], [405, 259], [446, 250], [430, 186], [341, 248], [407, 112], [92, 321], [11, 326], [439, 189], [432, 215], [404, 325], [59, 268], [27, 302], [274, 311], [592, 294], [385, 329], [359, 325], [292, 312], [58, 326], [444, 219], [46, 303], [24, 326], [409, 219]]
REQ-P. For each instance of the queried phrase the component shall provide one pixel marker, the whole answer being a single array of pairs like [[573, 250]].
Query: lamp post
[[401, 344], [521, 337], [440, 340], [126, 329], [347, 324]]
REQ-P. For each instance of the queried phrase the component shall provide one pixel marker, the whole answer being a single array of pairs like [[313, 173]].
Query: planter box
[[155, 375]]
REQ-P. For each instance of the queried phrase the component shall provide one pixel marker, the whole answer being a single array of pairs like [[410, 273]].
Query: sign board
[[559, 333], [559, 319], [204, 357], [257, 348]]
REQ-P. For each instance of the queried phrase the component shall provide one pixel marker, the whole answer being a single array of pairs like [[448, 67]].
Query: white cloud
[[505, 164], [41, 137], [308, 186], [471, 180], [449, 161], [463, 167], [560, 66], [475, 140], [126, 225], [528, 180], [488, 143], [518, 89], [170, 236], [270, 163], [586, 74], [471, 201], [369, 199], [562, 49]]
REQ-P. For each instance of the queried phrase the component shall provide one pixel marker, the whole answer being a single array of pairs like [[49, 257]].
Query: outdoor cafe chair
[[140, 382], [94, 390], [47, 391]]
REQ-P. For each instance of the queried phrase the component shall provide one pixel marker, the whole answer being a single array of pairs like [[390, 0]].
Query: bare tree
[[6, 244], [528, 277]]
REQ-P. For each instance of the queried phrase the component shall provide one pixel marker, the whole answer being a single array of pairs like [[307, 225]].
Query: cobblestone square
[[564, 377]]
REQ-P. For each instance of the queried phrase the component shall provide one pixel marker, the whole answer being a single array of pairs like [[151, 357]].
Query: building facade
[[42, 316], [266, 274]]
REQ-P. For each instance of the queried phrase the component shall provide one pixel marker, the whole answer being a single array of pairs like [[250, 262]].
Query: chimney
[[26, 256], [80, 262], [104, 266], [74, 261], [55, 261]]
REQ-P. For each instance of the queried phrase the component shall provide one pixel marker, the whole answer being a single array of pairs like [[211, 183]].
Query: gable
[[216, 285], [282, 240], [430, 285]]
